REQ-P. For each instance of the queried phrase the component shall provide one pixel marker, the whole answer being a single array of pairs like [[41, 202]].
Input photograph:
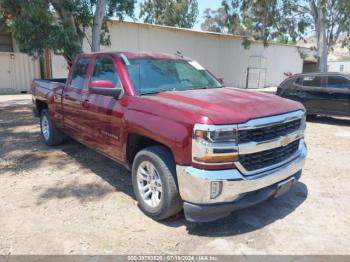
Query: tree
[[97, 24], [331, 21], [265, 20], [284, 21], [179, 13], [60, 25], [221, 21]]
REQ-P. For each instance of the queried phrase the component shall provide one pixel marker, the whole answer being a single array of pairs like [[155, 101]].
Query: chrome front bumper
[[195, 184]]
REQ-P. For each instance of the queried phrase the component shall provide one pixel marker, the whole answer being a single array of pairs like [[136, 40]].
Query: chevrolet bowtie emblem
[[285, 141]]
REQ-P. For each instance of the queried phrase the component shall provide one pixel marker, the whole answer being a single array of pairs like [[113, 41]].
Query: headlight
[[217, 136], [214, 144]]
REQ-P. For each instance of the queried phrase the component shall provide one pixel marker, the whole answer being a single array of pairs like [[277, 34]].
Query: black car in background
[[320, 93]]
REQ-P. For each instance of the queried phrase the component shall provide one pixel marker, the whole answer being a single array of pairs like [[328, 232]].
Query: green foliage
[[179, 13], [265, 20], [337, 22], [121, 8], [59, 25]]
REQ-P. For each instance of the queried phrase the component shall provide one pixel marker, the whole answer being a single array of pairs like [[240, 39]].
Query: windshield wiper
[[156, 91], [206, 87], [174, 89]]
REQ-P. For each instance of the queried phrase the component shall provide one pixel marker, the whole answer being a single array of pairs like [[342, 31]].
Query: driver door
[[104, 113]]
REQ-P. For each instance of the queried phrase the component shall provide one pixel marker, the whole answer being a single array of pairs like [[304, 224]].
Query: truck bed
[[42, 87]]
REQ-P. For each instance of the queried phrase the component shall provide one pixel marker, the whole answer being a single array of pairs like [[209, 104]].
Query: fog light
[[215, 189]]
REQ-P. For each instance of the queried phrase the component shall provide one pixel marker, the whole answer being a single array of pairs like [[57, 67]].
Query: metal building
[[17, 70], [222, 54]]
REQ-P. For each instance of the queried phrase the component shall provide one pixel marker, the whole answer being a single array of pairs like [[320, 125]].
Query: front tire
[[50, 134], [154, 183]]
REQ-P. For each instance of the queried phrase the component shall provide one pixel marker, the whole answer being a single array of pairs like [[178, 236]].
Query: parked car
[[320, 93], [189, 142]]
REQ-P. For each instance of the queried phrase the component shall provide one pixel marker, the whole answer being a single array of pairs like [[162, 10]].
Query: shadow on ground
[[82, 192], [249, 219], [119, 178], [329, 120], [114, 174], [22, 150]]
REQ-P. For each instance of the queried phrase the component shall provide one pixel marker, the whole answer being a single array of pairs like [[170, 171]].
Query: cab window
[[338, 82], [79, 73], [299, 81], [104, 69], [314, 81]]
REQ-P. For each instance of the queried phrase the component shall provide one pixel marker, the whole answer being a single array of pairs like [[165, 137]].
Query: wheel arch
[[137, 142]]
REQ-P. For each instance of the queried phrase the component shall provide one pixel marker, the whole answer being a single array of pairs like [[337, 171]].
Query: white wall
[[336, 67], [223, 55]]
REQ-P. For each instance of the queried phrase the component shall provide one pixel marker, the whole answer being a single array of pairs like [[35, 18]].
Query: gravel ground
[[71, 200]]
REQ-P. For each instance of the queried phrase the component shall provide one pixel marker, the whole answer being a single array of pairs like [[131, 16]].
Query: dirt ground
[[71, 200]]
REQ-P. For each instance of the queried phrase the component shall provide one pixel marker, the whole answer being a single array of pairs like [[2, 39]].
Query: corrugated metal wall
[[222, 54], [17, 70]]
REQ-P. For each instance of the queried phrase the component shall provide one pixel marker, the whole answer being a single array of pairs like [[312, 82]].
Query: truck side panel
[[50, 93]]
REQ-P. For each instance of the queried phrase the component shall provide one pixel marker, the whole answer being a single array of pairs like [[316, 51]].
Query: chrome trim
[[199, 148], [271, 120], [194, 184], [254, 147], [211, 128], [250, 173]]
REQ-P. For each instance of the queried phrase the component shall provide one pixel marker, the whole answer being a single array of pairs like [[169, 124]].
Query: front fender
[[173, 134]]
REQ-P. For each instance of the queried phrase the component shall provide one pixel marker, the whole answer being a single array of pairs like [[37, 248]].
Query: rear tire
[[154, 183], [50, 134]]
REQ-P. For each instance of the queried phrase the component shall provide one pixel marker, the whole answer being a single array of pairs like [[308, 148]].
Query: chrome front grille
[[269, 142], [268, 132], [267, 158]]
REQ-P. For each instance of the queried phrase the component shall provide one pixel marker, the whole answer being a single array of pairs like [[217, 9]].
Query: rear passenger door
[[338, 90], [310, 90], [73, 96]]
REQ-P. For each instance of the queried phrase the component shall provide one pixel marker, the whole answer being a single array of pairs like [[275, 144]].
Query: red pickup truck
[[189, 142]]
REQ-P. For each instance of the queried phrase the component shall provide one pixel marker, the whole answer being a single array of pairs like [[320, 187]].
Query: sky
[[202, 5]]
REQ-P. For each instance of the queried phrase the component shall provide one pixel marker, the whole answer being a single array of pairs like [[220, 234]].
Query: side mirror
[[105, 87], [221, 81]]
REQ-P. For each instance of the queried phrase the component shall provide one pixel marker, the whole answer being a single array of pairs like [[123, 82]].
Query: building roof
[[195, 31], [340, 59]]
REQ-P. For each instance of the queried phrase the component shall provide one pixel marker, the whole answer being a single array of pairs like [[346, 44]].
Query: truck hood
[[223, 105]]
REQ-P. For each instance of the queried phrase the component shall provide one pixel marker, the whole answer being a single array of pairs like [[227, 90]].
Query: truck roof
[[135, 55]]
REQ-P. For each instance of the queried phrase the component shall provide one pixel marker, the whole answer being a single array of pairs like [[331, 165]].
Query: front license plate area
[[284, 186]]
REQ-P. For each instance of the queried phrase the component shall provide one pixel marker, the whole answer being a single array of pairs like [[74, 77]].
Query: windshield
[[150, 76]]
